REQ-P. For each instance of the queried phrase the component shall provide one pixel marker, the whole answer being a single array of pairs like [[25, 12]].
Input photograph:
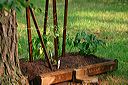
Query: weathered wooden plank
[[80, 73], [76, 75], [56, 77], [95, 69], [63, 83], [90, 80], [101, 67]]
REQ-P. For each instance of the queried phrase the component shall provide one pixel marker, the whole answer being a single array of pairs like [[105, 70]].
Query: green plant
[[37, 48], [69, 43], [87, 43], [49, 44]]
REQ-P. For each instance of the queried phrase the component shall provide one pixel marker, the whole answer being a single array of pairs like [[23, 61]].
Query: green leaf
[[87, 46], [39, 10], [57, 35], [45, 39], [23, 3], [1, 6], [18, 9]]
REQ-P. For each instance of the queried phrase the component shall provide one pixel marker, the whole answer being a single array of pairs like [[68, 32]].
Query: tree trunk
[[11, 74]]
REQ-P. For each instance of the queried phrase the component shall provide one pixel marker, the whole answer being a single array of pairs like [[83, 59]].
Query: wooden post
[[46, 16], [40, 37], [55, 30], [65, 26], [29, 33]]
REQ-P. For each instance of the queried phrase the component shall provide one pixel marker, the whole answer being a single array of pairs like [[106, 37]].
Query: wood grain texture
[[56, 77]]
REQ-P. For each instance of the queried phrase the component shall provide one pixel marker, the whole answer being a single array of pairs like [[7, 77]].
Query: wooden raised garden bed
[[73, 67]]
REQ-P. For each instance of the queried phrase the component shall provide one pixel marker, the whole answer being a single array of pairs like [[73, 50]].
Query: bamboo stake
[[65, 27], [46, 16], [55, 30], [41, 40], [29, 34]]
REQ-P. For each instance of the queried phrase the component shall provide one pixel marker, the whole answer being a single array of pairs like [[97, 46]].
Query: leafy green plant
[[37, 48], [87, 43], [69, 43], [49, 44]]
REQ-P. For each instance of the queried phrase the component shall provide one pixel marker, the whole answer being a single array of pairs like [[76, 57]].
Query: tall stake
[[55, 30], [65, 26], [29, 34], [46, 16], [39, 34]]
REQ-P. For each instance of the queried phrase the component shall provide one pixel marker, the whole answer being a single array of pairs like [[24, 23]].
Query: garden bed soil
[[70, 61]]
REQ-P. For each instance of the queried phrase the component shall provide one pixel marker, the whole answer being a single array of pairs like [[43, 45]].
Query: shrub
[[87, 43]]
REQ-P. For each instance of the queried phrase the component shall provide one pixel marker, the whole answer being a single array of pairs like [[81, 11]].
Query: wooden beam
[[56, 77], [99, 68], [46, 16], [29, 33], [77, 75], [40, 37], [55, 30], [65, 27]]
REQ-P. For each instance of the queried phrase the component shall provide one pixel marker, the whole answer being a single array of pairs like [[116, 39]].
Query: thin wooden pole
[[40, 37], [65, 27], [55, 30], [29, 34], [46, 16]]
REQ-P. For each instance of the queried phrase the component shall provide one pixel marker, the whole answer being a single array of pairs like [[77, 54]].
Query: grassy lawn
[[107, 19]]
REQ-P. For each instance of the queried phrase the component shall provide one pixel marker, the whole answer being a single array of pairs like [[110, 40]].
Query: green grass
[[107, 19]]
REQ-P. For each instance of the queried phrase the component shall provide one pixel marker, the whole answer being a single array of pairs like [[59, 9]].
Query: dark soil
[[32, 69]]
